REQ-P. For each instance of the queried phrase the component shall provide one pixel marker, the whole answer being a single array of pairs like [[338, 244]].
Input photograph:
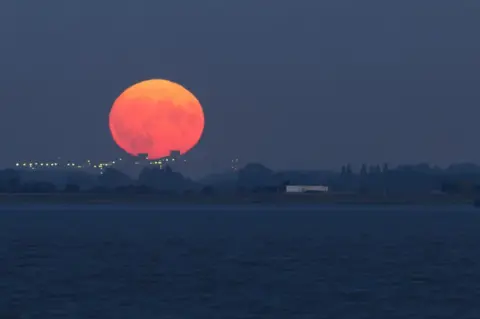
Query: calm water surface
[[227, 262]]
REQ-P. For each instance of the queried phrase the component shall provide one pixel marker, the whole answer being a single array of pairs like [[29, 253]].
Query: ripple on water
[[290, 265]]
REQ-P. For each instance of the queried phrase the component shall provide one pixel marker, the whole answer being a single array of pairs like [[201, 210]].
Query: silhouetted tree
[[98, 190], [207, 190], [385, 168], [38, 187], [164, 179], [348, 170], [255, 175], [134, 189], [84, 180], [112, 178], [363, 170], [71, 188], [10, 181], [343, 171], [188, 192]]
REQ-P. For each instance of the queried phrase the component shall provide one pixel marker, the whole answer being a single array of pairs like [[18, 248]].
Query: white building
[[306, 189]]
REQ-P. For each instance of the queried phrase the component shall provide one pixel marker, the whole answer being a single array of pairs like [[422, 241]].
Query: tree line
[[459, 179]]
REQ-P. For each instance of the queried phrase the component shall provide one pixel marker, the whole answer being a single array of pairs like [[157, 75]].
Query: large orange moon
[[156, 117]]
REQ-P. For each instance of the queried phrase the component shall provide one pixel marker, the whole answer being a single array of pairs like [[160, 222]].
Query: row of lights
[[160, 161], [53, 164], [89, 164], [37, 165]]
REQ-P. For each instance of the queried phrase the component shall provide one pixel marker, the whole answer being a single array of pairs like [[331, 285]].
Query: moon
[[155, 117]]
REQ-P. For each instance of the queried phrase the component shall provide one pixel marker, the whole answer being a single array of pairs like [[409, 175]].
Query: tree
[[71, 188], [256, 175], [113, 178], [385, 168], [363, 170], [348, 170], [207, 190], [10, 180], [164, 179], [38, 187]]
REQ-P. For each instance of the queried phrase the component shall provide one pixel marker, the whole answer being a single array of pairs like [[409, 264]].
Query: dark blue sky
[[304, 83]]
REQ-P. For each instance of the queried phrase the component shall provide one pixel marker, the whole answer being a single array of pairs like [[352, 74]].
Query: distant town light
[[89, 164]]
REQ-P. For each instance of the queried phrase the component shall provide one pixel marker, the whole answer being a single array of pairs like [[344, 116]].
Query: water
[[226, 262]]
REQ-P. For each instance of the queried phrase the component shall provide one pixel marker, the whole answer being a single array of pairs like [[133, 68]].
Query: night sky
[[292, 84]]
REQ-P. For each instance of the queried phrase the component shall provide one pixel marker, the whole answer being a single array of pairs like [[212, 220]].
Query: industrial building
[[306, 189]]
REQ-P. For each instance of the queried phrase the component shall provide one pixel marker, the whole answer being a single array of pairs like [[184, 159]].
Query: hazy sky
[[305, 83]]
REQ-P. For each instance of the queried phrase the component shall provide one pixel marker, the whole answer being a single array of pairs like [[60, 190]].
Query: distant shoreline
[[228, 199]]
